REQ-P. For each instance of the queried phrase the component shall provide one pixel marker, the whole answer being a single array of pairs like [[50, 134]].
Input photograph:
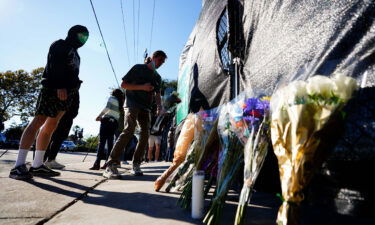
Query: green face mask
[[82, 37]]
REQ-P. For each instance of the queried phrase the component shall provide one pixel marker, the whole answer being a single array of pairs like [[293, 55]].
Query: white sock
[[38, 160], [21, 158]]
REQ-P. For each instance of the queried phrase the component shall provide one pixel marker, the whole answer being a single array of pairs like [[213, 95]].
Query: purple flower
[[251, 119], [256, 107], [265, 105]]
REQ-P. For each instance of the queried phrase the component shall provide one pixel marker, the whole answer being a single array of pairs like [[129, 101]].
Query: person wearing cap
[[60, 85]]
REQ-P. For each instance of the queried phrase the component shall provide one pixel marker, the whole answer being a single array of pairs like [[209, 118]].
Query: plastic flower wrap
[[205, 121], [207, 160], [230, 156], [182, 145], [183, 178], [179, 176], [256, 118], [305, 123]]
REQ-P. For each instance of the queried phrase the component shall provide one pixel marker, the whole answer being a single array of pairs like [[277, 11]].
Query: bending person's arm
[[137, 87], [158, 103]]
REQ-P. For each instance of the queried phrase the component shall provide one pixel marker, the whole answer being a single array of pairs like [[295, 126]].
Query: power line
[[134, 51], [139, 12], [152, 24], [123, 23], [105, 46]]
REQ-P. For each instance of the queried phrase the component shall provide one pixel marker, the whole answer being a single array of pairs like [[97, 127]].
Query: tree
[[168, 84], [18, 93], [14, 132], [89, 144], [76, 130], [92, 142]]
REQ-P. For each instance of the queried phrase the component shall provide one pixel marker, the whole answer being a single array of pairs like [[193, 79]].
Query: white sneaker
[[111, 172], [54, 165]]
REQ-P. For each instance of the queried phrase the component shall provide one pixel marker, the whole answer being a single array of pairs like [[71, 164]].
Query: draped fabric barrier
[[239, 45]]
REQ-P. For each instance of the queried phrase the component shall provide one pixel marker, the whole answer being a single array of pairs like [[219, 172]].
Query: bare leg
[[28, 135], [46, 131], [157, 152], [149, 153]]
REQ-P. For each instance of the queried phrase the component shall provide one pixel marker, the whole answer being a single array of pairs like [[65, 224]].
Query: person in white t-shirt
[[108, 118]]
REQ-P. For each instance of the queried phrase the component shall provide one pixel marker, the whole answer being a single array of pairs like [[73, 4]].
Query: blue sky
[[29, 27]]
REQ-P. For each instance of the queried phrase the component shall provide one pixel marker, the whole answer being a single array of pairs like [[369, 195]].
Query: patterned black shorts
[[49, 104]]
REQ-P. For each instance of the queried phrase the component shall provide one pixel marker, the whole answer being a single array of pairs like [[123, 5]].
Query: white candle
[[197, 200]]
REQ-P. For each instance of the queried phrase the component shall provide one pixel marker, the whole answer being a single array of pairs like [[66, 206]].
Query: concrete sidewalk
[[83, 196]]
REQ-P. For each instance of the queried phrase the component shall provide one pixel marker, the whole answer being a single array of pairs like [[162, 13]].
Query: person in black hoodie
[[60, 134], [60, 86]]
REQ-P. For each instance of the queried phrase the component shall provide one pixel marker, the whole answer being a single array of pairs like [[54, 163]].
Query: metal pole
[[90, 148], [236, 61], [4, 152]]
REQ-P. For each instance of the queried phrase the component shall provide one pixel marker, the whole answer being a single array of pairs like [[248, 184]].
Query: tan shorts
[[154, 140]]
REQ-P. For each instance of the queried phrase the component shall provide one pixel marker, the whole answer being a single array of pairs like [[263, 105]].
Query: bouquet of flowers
[[305, 116], [182, 145], [184, 179], [179, 176], [256, 115], [231, 155], [205, 121], [206, 131]]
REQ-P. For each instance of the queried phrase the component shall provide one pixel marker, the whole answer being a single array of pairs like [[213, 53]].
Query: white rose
[[296, 90], [345, 86], [279, 99], [320, 85]]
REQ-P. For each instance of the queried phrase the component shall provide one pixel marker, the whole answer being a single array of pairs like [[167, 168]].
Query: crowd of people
[[134, 117]]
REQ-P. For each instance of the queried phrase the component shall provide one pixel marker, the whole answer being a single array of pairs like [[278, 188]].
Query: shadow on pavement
[[152, 205], [144, 166], [91, 172]]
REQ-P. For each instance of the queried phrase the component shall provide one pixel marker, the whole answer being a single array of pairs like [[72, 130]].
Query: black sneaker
[[43, 171], [20, 173]]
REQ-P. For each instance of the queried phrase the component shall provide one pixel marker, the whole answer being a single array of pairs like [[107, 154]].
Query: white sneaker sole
[[111, 176]]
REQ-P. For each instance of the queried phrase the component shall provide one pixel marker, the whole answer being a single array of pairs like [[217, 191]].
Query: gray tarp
[[280, 41], [286, 40]]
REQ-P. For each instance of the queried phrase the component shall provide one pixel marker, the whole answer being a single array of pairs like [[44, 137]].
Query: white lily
[[320, 85], [345, 86], [296, 90]]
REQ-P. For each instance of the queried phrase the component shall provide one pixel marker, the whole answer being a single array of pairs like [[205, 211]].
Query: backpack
[[160, 122]]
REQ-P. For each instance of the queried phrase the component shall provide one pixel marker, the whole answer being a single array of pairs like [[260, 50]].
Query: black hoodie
[[63, 61]]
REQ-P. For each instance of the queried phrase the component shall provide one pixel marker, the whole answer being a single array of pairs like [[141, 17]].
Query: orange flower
[[239, 123]]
